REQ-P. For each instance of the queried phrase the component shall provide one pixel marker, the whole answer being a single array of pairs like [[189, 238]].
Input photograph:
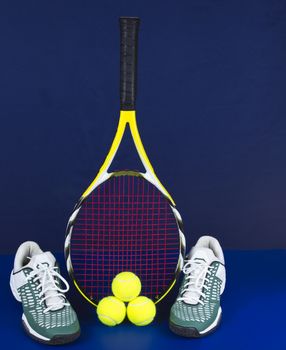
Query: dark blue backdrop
[[211, 111]]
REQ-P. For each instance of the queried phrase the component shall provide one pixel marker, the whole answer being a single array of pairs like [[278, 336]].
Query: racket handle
[[128, 61]]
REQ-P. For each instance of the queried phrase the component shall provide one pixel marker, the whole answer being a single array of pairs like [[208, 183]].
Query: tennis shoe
[[197, 311], [36, 282]]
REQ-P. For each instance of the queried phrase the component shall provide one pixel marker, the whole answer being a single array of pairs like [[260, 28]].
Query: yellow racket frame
[[128, 118]]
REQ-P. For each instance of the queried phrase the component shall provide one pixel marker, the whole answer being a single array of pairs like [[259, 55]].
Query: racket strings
[[126, 224]]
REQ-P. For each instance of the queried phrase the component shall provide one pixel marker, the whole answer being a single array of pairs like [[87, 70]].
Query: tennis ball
[[126, 286], [141, 311], [111, 311]]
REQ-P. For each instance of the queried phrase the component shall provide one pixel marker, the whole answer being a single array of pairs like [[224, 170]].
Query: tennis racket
[[125, 220]]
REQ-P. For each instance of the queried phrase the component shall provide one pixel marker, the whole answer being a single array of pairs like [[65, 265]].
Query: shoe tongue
[[47, 259], [205, 254]]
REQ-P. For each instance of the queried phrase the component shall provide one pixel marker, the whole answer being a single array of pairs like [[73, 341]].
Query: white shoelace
[[50, 286], [196, 271]]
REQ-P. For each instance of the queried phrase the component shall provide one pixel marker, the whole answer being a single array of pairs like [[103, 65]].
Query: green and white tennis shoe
[[197, 311], [36, 282]]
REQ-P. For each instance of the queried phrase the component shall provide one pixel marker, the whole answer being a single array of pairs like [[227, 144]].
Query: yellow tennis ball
[[111, 311], [126, 286], [141, 311]]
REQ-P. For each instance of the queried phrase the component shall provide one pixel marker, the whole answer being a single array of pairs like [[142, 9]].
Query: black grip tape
[[128, 61]]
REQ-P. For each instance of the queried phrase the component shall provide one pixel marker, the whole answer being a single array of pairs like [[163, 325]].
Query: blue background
[[211, 112]]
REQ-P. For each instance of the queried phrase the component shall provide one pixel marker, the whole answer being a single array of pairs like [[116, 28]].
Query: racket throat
[[127, 118]]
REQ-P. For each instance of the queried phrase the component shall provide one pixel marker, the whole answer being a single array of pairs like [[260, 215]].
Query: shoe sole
[[56, 340], [192, 332]]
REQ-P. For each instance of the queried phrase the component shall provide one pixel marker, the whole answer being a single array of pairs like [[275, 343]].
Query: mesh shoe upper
[[198, 303], [37, 283], [199, 316]]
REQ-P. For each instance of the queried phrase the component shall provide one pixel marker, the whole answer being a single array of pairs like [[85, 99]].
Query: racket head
[[124, 224]]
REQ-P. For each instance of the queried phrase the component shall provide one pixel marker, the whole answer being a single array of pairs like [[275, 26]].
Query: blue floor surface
[[254, 312]]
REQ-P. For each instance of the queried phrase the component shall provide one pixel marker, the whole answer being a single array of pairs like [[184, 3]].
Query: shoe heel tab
[[26, 249]]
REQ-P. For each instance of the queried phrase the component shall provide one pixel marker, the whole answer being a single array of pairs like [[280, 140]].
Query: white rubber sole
[[56, 340], [192, 332], [214, 324], [30, 330]]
